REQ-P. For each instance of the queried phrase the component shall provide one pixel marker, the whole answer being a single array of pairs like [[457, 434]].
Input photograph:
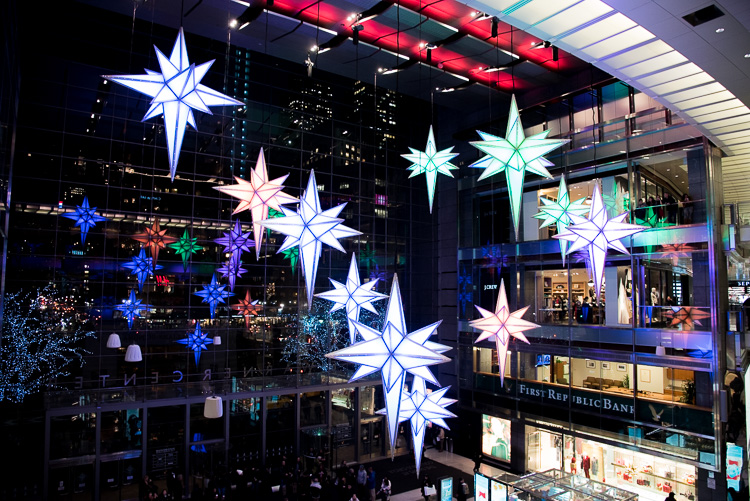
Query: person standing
[[441, 440], [427, 487], [371, 483], [361, 481], [477, 462], [463, 490]]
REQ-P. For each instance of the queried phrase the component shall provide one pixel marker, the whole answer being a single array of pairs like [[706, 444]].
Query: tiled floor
[[449, 459]]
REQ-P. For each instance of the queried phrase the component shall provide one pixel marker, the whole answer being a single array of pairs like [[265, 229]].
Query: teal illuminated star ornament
[[558, 212], [141, 266], [597, 234], [197, 341], [431, 162], [309, 228], [353, 296], [419, 409], [213, 294], [393, 352], [132, 307], [515, 155], [501, 325], [185, 247], [175, 93], [85, 218]]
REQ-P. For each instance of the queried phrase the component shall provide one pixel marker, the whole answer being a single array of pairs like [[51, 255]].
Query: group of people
[[666, 208]]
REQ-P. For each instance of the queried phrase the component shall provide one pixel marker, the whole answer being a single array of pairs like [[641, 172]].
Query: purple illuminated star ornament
[[213, 294], [597, 234], [196, 341], [232, 269], [501, 325], [85, 218], [175, 93], [141, 266], [393, 352], [309, 228], [235, 242], [353, 296], [132, 307]]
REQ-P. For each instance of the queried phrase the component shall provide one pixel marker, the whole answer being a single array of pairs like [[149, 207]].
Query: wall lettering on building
[[489, 287], [554, 395]]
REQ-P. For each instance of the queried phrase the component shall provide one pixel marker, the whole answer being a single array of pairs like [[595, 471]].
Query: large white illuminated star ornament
[[258, 195], [352, 295], [309, 228], [558, 212], [176, 92], [597, 234], [132, 307], [394, 352], [421, 409], [515, 155], [85, 218], [431, 162], [502, 324]]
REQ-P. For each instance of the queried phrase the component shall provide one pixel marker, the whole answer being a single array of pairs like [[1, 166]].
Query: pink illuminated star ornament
[[431, 162], [155, 238], [258, 196], [597, 234], [501, 325], [515, 155], [309, 228], [393, 352], [352, 296], [175, 93]]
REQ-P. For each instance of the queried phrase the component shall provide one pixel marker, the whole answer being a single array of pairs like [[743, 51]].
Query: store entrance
[[71, 482], [545, 451], [119, 478], [371, 438]]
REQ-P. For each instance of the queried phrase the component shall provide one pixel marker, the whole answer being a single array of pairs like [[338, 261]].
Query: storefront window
[[496, 437], [121, 430], [72, 436], [313, 408], [203, 428], [280, 425], [342, 424]]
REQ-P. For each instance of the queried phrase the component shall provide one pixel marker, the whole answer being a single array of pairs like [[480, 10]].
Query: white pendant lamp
[[213, 408], [133, 354], [660, 351], [217, 340], [113, 341]]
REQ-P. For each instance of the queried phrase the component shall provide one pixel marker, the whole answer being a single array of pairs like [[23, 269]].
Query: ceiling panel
[[600, 30]]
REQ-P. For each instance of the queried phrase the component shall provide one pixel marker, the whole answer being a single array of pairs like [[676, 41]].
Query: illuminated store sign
[[577, 398], [481, 487]]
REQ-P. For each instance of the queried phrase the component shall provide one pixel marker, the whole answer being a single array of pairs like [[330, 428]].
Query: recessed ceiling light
[[747, 56], [676, 175], [719, 30]]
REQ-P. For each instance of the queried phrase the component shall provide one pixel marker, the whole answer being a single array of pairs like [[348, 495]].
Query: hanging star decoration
[[515, 155], [235, 242], [367, 257], [558, 212], [132, 307], [501, 325], [232, 269], [465, 289], [197, 341], [85, 218], [597, 234], [141, 266], [353, 296], [293, 256], [676, 252], [419, 409], [258, 195], [175, 93], [155, 238], [431, 162], [393, 352], [185, 247], [309, 228], [213, 294], [247, 308], [686, 316]]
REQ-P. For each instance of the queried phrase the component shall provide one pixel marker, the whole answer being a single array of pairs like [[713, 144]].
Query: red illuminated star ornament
[[155, 238], [687, 316], [502, 324], [247, 308]]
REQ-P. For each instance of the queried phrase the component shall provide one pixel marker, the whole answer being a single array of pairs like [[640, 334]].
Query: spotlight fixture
[[719, 30], [495, 23], [555, 53], [233, 23], [309, 63], [492, 69], [428, 57], [541, 45], [247, 17], [355, 33]]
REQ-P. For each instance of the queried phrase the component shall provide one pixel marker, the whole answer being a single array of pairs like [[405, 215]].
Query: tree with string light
[[42, 336]]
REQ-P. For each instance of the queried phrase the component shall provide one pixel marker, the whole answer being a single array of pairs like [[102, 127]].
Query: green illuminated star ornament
[[185, 247], [515, 155], [431, 162], [558, 212]]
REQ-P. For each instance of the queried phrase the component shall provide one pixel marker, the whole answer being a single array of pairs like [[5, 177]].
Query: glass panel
[[121, 430], [313, 406], [72, 436]]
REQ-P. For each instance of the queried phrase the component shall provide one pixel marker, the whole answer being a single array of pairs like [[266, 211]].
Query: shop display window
[[121, 430], [654, 474], [496, 437]]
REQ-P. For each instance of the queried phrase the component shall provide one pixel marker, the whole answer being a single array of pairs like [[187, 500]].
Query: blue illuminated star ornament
[[132, 307], [515, 155], [85, 218], [213, 294], [419, 409], [176, 92], [353, 296], [394, 352], [501, 325], [197, 341], [558, 212], [141, 266], [309, 228], [597, 234], [431, 162]]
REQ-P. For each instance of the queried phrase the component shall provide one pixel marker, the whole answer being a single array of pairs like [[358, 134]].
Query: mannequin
[[586, 465]]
